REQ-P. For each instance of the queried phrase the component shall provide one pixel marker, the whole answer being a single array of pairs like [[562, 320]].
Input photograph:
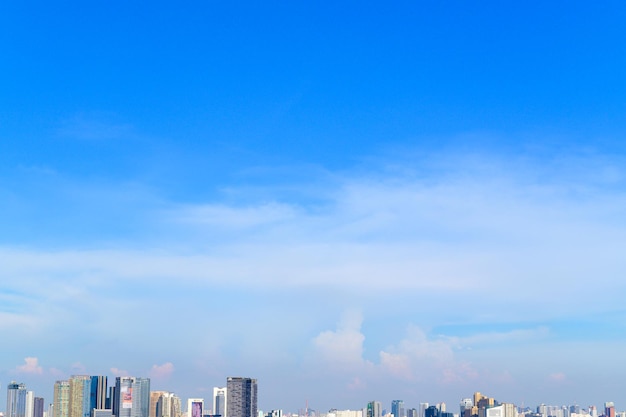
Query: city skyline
[[132, 396], [346, 200]]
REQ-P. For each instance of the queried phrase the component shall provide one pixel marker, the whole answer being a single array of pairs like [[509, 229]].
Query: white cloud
[[342, 347], [417, 357], [225, 217], [31, 366], [506, 245], [497, 338], [20, 322], [119, 372], [163, 371], [464, 235]]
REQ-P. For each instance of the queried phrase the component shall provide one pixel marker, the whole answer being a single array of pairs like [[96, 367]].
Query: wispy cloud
[[225, 217], [163, 371], [557, 377], [499, 338], [94, 127], [474, 245], [119, 372]]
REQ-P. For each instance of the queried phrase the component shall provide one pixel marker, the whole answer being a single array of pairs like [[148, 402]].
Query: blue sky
[[347, 200]]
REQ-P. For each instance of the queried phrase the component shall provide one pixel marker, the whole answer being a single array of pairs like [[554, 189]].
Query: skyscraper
[[80, 396], [38, 407], [98, 393], [61, 400], [432, 411], [241, 400], [397, 408], [374, 409], [219, 401], [132, 397], [16, 400], [155, 396], [466, 404], [167, 405], [30, 404]]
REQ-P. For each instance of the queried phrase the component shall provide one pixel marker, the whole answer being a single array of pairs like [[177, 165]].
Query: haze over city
[[348, 201]]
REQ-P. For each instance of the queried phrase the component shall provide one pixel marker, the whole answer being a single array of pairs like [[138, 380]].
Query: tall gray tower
[[219, 401], [241, 397], [132, 397]]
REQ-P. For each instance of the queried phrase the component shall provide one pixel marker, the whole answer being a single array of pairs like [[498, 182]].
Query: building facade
[[241, 400], [195, 407], [98, 393], [38, 407], [61, 400], [80, 396], [374, 409], [397, 408], [220, 395], [131, 397], [16, 400]]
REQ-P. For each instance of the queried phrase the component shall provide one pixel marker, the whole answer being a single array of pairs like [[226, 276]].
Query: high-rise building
[[155, 396], [30, 404], [412, 412], [131, 397], [98, 393], [219, 401], [374, 409], [609, 409], [195, 407], [397, 408], [61, 400], [38, 407], [423, 407], [432, 411], [80, 396], [176, 406], [16, 400], [465, 407], [168, 405], [241, 400]]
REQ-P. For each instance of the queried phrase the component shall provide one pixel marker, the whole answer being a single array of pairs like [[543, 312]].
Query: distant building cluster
[[90, 396]]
